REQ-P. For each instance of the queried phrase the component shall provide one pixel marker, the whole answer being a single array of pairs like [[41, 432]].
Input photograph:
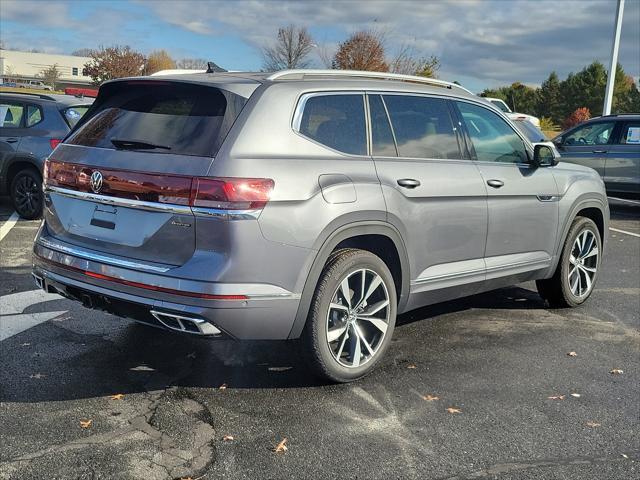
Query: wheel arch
[[15, 166], [374, 236]]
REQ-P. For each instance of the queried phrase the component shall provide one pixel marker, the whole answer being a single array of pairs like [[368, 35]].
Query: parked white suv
[[513, 115], [34, 84]]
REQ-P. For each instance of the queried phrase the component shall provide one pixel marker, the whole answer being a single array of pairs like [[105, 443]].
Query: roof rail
[[301, 74], [43, 96]]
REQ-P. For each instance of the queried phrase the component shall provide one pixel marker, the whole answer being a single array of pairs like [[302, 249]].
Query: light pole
[[611, 78]]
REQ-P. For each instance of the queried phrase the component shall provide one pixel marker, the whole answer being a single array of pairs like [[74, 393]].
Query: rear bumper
[[266, 312]]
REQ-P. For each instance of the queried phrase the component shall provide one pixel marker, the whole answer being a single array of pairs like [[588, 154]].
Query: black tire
[[314, 342], [557, 289], [26, 194]]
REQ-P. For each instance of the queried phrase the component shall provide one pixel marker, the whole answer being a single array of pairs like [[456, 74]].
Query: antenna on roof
[[213, 68]]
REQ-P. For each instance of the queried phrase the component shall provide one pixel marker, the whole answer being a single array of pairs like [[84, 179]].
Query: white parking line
[[625, 232], [635, 202], [8, 225]]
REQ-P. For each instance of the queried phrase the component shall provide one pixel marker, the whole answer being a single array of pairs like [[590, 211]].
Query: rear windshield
[[159, 117]]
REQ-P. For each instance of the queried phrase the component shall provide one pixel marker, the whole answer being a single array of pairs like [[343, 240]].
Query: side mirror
[[545, 154]]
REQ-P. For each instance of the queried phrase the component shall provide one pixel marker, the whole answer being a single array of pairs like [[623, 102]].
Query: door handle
[[495, 183], [599, 151], [11, 140], [409, 182]]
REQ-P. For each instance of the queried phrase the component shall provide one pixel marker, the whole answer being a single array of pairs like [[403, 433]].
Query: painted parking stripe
[[635, 202], [625, 232], [13, 320], [8, 225]]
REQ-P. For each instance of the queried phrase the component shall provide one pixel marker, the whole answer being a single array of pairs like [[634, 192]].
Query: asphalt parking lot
[[155, 405]]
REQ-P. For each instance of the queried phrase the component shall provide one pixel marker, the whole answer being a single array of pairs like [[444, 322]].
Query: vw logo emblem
[[96, 181]]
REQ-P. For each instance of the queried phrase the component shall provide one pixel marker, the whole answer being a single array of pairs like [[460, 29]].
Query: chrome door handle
[[495, 183], [409, 182], [599, 151]]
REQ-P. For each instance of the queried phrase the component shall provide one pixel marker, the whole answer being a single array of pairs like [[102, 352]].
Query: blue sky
[[481, 43]]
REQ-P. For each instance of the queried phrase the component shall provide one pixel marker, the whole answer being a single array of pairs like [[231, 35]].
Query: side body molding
[[340, 234]]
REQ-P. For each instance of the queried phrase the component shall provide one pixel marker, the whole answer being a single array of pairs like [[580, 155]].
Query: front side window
[[631, 134], [492, 138], [336, 121], [34, 115], [11, 115], [422, 126], [590, 134]]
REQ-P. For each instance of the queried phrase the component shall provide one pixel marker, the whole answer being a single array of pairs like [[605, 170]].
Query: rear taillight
[[225, 193], [54, 142], [231, 193]]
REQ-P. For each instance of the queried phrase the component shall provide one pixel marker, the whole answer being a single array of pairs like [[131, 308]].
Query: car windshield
[[501, 105], [533, 133], [73, 114]]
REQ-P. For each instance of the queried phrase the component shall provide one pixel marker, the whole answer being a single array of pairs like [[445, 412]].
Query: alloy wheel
[[583, 263], [358, 318], [27, 195]]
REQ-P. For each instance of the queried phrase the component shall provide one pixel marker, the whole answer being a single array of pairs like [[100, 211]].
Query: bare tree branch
[[290, 50]]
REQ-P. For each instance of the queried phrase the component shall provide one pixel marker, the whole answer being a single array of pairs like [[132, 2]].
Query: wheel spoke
[[338, 306], [344, 340], [579, 284], [572, 260], [363, 340], [355, 350], [375, 283], [346, 293], [588, 269], [335, 333], [376, 322], [587, 280], [591, 253], [588, 244], [375, 308], [574, 284]]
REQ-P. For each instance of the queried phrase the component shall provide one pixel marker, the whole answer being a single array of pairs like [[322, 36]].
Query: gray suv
[[308, 205]]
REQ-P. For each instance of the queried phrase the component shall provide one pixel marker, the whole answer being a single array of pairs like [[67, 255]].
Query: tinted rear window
[[182, 118]]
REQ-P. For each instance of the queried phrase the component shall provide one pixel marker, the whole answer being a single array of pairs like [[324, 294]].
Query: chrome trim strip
[[448, 276], [548, 198], [97, 257], [122, 202], [228, 214], [497, 268]]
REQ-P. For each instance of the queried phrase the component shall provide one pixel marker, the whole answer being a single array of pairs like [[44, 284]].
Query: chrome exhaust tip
[[180, 323]]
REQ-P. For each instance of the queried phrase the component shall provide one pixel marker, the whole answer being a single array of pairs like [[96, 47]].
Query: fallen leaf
[[572, 354], [37, 376], [623, 455], [453, 410], [593, 424], [411, 366], [192, 355], [616, 371], [557, 397], [25, 344], [142, 368], [279, 369], [430, 398], [117, 396], [227, 438], [222, 387], [577, 395], [85, 423], [281, 447]]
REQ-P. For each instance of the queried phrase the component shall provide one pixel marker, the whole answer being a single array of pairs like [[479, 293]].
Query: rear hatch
[[123, 182]]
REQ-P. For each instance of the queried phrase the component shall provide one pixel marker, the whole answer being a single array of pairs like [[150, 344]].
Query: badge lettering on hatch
[[180, 224]]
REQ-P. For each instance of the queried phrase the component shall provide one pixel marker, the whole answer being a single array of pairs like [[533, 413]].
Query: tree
[[82, 52], [158, 60], [549, 99], [51, 75], [362, 51], [407, 63], [518, 96], [114, 62], [290, 50], [192, 64], [578, 116]]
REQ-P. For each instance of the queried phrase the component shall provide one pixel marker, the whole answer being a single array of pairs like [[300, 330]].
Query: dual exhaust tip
[[180, 323]]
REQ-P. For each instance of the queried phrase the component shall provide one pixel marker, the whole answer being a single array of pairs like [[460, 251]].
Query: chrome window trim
[[121, 202], [101, 258]]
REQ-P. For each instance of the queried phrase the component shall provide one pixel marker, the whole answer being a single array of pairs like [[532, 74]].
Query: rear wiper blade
[[136, 145]]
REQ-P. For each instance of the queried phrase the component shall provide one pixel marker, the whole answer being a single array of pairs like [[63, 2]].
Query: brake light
[[231, 193], [54, 142]]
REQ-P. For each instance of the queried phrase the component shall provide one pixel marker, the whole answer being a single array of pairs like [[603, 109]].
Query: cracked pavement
[[497, 357]]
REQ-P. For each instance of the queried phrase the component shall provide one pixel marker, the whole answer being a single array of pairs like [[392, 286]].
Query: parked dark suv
[[611, 146], [310, 205], [30, 128]]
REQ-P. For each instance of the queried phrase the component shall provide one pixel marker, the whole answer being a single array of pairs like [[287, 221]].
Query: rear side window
[[336, 121], [591, 134], [630, 134], [381, 135], [11, 115], [492, 138], [160, 117], [422, 127], [34, 115], [72, 115]]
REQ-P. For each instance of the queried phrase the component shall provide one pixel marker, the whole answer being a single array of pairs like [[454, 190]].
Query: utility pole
[[611, 78]]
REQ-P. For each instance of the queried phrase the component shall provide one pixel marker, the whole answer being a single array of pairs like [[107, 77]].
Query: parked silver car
[[611, 146], [310, 205]]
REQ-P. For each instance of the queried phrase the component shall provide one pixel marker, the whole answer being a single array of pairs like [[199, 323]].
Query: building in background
[[22, 67]]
